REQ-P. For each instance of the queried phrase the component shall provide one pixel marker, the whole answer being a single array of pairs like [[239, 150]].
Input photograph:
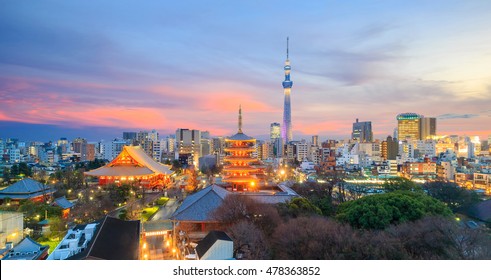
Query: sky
[[97, 68]]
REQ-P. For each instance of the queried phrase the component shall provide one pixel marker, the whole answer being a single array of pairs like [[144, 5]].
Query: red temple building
[[133, 165]]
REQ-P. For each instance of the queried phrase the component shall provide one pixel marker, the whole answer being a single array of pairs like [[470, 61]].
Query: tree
[[24, 169], [176, 165], [441, 238], [14, 170], [298, 206], [192, 182], [236, 208], [455, 197], [6, 175], [381, 210], [400, 184], [318, 194], [312, 238], [249, 239]]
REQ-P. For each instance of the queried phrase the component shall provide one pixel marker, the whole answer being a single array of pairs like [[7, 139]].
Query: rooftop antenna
[[287, 39], [240, 118]]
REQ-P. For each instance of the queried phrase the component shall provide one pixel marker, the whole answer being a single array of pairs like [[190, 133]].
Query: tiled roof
[[210, 239], [115, 240], [199, 206], [63, 203], [240, 136], [27, 249], [26, 188], [147, 165]]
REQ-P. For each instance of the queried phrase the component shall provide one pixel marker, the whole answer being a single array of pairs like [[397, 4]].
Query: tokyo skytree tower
[[286, 129]]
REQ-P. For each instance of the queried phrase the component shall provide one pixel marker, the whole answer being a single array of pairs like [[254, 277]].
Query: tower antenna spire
[[287, 39], [240, 118]]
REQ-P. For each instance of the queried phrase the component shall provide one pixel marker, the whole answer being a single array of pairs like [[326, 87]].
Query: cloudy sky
[[97, 68]]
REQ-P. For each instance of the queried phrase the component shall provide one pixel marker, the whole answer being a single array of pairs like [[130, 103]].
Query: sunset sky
[[97, 68]]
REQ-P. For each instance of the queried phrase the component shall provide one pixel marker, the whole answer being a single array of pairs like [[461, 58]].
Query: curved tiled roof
[[146, 165], [240, 137], [26, 189], [25, 186]]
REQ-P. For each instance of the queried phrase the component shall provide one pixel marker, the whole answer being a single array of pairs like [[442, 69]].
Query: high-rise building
[[80, 148], [286, 129], [408, 126], [390, 148], [129, 136], [188, 142], [171, 143], [362, 131], [62, 146], [275, 131], [427, 128], [315, 140]]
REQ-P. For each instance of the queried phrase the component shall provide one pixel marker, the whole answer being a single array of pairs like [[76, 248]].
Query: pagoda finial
[[240, 119], [287, 39]]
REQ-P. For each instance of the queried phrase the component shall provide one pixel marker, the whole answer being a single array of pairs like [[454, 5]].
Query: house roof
[[25, 189], [27, 249], [199, 206], [115, 240], [210, 239], [142, 165], [63, 203]]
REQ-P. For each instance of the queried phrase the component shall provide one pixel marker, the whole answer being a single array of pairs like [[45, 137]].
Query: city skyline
[[88, 69]]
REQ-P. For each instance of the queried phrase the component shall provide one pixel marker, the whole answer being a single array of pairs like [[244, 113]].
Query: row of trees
[[16, 171], [408, 221]]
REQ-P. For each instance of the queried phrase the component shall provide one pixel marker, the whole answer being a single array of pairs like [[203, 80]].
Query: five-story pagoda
[[238, 171]]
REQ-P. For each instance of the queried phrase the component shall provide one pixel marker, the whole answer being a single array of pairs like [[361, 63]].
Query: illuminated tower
[[238, 169], [286, 129]]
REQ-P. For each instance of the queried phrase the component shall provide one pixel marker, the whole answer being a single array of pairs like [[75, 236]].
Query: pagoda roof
[[25, 189], [136, 163], [240, 137]]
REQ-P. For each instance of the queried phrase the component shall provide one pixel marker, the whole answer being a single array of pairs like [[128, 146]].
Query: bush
[[381, 210]]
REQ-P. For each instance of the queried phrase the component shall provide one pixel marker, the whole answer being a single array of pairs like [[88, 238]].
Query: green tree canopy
[[400, 184], [298, 206], [381, 210], [455, 197]]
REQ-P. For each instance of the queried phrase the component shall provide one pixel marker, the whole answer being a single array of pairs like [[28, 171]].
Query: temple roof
[[26, 188], [63, 203], [199, 206], [140, 164], [240, 137], [27, 249]]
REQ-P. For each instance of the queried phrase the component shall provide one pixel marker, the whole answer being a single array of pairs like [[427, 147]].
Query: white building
[[113, 148], [74, 242], [14, 155]]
